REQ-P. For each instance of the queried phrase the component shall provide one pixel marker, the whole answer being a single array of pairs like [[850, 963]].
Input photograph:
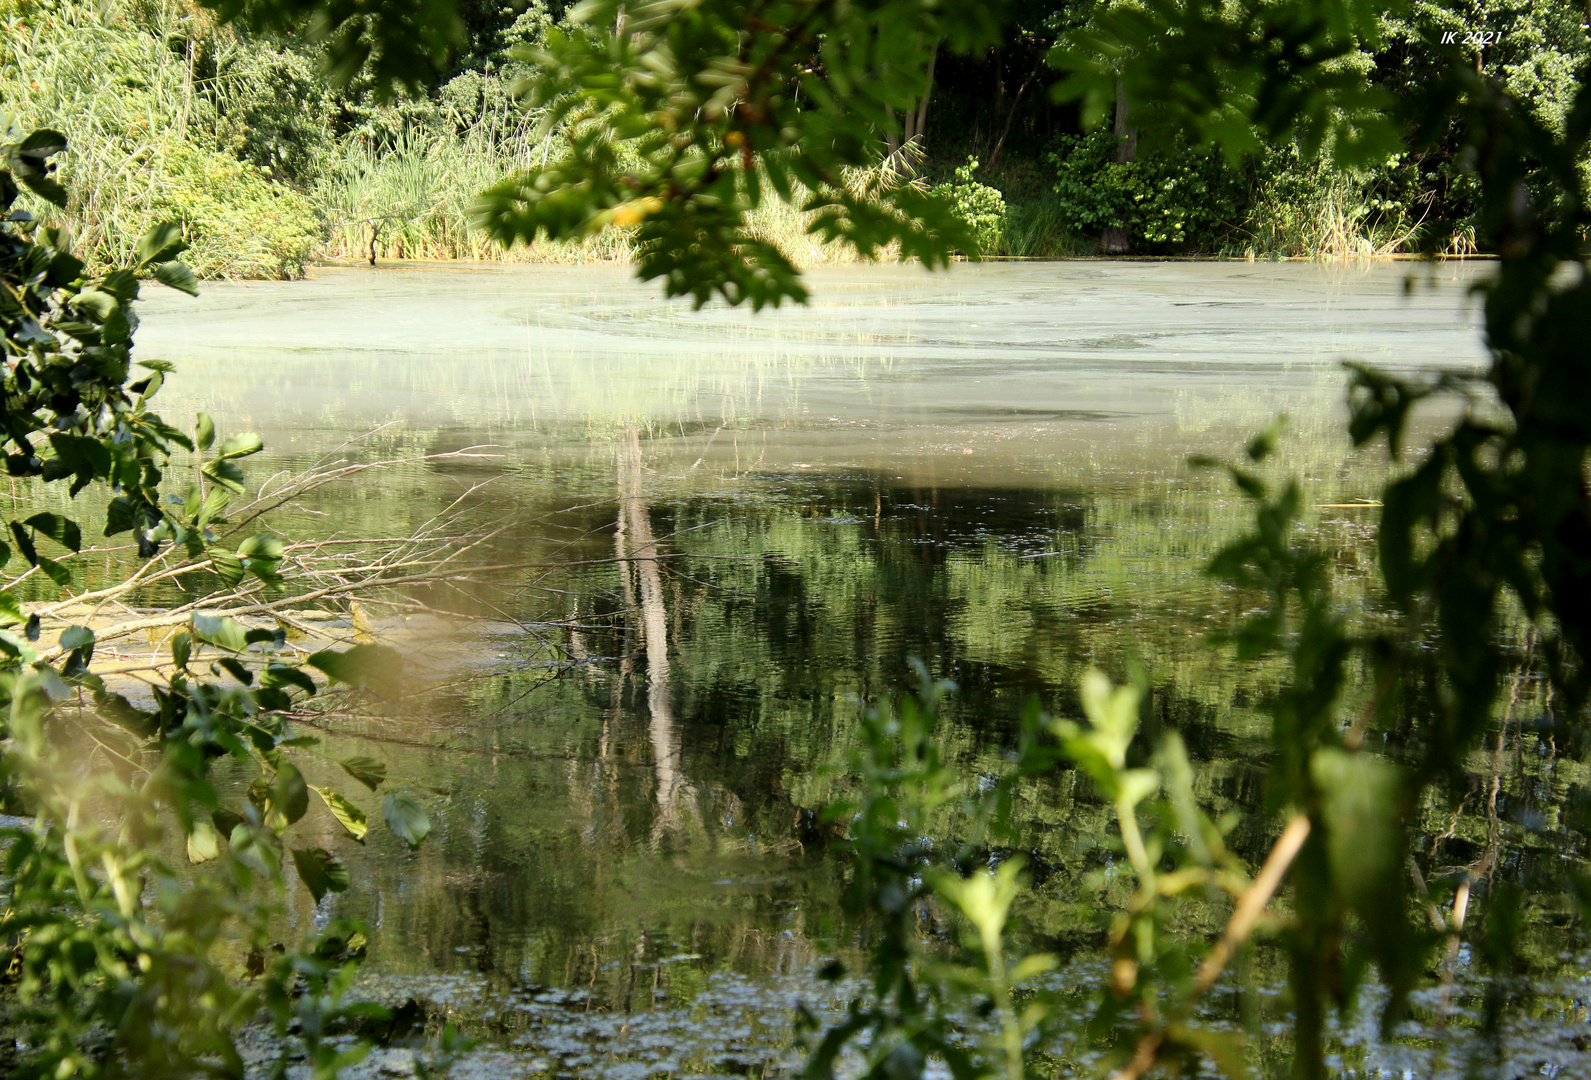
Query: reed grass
[[1332, 215], [143, 140]]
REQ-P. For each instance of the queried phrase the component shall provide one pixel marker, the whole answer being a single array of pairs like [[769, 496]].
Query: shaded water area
[[751, 525]]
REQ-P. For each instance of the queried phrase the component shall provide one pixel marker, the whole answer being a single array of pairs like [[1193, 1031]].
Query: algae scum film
[[723, 533]]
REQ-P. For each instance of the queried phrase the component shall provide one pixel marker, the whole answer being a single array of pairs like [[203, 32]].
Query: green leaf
[[279, 675], [120, 515], [261, 547], [215, 501], [256, 849], [11, 613], [76, 637], [241, 446], [227, 566], [237, 670], [405, 818], [225, 473], [181, 649], [54, 571], [368, 771], [363, 667], [42, 143], [320, 871], [177, 276], [220, 631], [289, 797], [204, 843], [349, 816], [24, 543], [161, 243], [62, 530], [203, 432]]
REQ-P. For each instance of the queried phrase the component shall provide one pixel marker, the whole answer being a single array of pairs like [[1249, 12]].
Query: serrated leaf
[[225, 473], [227, 566], [405, 817], [215, 501], [176, 275], [349, 816], [160, 243], [261, 547]]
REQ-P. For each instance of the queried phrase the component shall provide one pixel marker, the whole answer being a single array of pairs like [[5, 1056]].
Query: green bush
[[154, 137], [979, 205], [240, 223], [273, 109], [1190, 200]]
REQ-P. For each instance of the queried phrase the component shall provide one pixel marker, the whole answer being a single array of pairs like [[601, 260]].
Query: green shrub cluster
[[1166, 201], [982, 207], [239, 223], [170, 118]]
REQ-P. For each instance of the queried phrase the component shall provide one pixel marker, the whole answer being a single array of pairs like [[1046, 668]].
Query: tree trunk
[[1115, 239], [1126, 134], [1016, 102], [917, 119]]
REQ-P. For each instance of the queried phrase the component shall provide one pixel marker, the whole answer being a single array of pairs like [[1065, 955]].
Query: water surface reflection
[[764, 520]]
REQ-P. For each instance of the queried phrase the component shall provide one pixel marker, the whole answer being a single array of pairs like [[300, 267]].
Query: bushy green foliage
[[124, 964], [151, 140], [681, 158], [272, 107], [1171, 201], [239, 223], [980, 206]]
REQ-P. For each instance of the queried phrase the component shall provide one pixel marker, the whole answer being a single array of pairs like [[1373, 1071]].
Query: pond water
[[981, 469]]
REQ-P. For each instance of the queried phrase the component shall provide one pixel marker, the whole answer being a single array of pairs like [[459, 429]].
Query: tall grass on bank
[[411, 197], [1324, 213], [145, 141]]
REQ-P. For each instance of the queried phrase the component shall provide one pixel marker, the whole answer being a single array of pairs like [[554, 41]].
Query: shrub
[[240, 223], [147, 142], [1167, 202], [979, 205]]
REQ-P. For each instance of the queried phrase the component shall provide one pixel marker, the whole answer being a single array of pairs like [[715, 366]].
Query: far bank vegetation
[[269, 169]]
